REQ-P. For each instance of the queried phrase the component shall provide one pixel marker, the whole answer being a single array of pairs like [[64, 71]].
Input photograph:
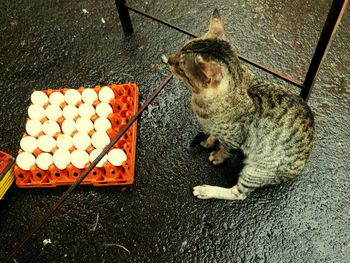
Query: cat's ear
[[216, 27], [211, 70]]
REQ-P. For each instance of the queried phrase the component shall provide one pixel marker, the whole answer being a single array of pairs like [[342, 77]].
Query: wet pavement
[[54, 44]]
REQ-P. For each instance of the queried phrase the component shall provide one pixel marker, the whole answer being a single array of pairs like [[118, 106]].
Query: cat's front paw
[[218, 157], [203, 191], [209, 142]]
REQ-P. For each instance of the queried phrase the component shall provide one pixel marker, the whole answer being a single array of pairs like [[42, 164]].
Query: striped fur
[[273, 127]]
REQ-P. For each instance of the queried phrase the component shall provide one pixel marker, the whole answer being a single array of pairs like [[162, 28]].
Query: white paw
[[208, 191], [203, 191]]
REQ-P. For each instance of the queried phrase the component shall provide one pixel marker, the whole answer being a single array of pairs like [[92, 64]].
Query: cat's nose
[[173, 59]]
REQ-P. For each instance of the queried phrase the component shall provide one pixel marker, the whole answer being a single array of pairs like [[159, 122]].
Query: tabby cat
[[273, 127]]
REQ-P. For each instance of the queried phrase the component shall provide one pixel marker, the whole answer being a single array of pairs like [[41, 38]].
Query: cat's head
[[205, 62]]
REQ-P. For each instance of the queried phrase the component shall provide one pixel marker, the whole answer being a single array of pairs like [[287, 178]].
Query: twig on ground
[[116, 245], [96, 223]]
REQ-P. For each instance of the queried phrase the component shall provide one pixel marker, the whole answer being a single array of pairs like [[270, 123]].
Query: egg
[[68, 126], [56, 98], [61, 158], [79, 158], [116, 157], [81, 141], [86, 110], [102, 124], [44, 160], [33, 127], [103, 109], [53, 112], [89, 96], [106, 94], [72, 97], [84, 125], [94, 154], [64, 141], [46, 143], [39, 98], [70, 112], [51, 127], [36, 112], [25, 161], [28, 144], [100, 140]]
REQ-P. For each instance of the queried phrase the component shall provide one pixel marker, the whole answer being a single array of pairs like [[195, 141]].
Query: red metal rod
[[330, 27], [158, 20], [64, 196], [280, 75], [277, 74]]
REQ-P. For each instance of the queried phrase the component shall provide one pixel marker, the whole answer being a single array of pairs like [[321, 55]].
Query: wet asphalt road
[[52, 44]]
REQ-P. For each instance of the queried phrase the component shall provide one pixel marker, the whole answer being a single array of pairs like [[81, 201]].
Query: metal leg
[[124, 17], [333, 19], [280, 75]]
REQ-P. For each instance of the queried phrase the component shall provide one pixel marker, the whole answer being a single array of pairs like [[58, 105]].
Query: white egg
[[51, 128], [61, 158], [93, 156], [106, 94], [28, 144], [70, 112], [72, 96], [102, 124], [36, 112], [46, 143], [89, 96], [44, 160], [68, 126], [25, 161], [100, 140], [86, 110], [53, 112], [79, 158], [103, 109], [39, 98], [81, 141], [84, 125], [116, 157], [56, 98], [33, 127], [64, 141]]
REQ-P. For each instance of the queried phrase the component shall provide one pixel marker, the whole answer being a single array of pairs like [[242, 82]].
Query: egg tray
[[124, 105]]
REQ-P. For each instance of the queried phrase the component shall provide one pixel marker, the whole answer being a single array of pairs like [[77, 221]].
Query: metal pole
[[124, 17], [280, 75], [331, 25]]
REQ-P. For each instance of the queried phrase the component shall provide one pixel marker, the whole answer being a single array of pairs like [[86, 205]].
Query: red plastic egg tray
[[124, 105]]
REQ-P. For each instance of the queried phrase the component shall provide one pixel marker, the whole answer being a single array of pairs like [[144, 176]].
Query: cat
[[272, 126]]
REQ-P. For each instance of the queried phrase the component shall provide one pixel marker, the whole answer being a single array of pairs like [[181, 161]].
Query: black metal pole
[[332, 22], [124, 16]]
